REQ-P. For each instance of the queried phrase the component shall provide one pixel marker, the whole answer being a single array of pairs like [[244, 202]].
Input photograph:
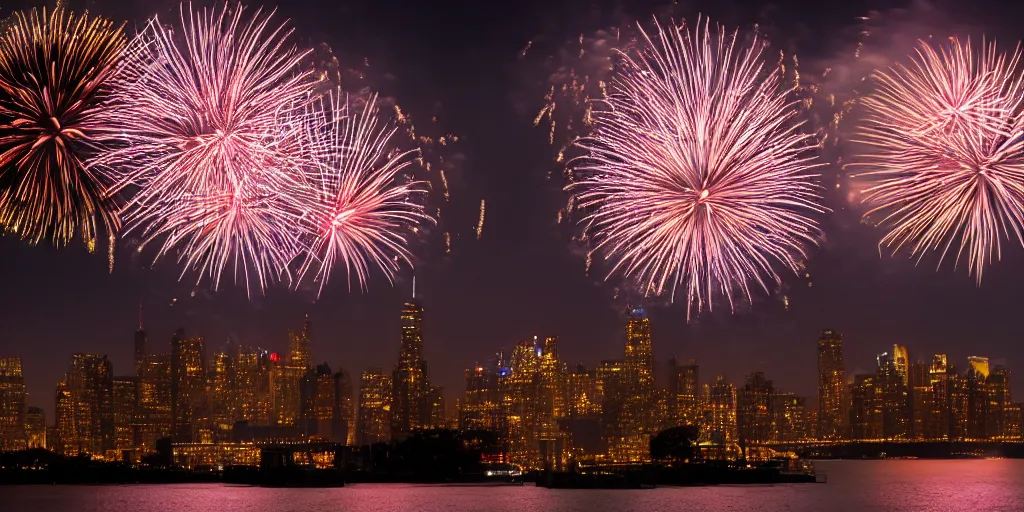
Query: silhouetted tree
[[674, 445]]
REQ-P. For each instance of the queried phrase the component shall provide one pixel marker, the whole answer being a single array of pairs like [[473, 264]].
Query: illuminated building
[[959, 404], [286, 378], [411, 410], [344, 428], [13, 405], [35, 428], [318, 403], [976, 392], [65, 442], [375, 407], [1012, 426], [223, 393], [999, 398], [86, 410], [937, 426], [153, 418], [521, 400], [865, 408], [833, 405], [789, 422], [920, 399], [139, 346], [891, 380], [438, 408], [551, 406], [684, 384], [637, 423], [215, 456], [123, 406], [252, 376], [482, 403], [811, 427], [188, 384], [299, 345], [584, 400], [612, 390], [719, 426], [755, 409]]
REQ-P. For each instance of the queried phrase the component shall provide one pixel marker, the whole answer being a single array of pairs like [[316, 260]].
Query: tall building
[[833, 407], [84, 404], [344, 428], [375, 407], [253, 386], [977, 400], [892, 379], [411, 410], [153, 419], [755, 409], [638, 423], [35, 428], [921, 398], [482, 402], [65, 442], [583, 397], [140, 344], [937, 426], [13, 405], [522, 389], [222, 392], [719, 425], [318, 401], [685, 389], [789, 422], [188, 385], [123, 407], [999, 399], [299, 346], [866, 408], [612, 391]]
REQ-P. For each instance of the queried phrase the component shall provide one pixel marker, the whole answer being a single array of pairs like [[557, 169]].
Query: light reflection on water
[[856, 486]]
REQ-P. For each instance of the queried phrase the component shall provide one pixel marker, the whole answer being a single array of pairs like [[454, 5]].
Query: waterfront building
[[891, 380], [789, 418], [637, 423], [123, 408], [684, 387], [866, 408], [35, 428], [521, 402], [344, 428], [719, 427], [153, 419], [84, 407], [755, 409], [188, 385], [375, 407], [410, 380], [13, 405], [833, 405]]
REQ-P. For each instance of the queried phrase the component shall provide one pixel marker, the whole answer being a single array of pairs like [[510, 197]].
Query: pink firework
[[944, 153], [209, 144], [697, 176], [365, 205]]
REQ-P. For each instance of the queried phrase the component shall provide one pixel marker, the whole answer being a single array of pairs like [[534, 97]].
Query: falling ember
[[480, 223], [943, 168], [640, 183], [447, 243], [110, 252]]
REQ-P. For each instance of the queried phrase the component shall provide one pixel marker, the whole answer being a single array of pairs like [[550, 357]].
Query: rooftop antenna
[[140, 316], [414, 287]]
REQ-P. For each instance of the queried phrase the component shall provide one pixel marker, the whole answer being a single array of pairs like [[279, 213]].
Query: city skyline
[[523, 276]]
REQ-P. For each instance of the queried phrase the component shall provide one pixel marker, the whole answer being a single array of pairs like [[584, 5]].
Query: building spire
[[414, 286], [140, 315]]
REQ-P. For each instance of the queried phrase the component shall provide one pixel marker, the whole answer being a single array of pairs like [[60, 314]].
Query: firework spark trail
[[944, 166], [211, 142], [365, 205], [697, 176], [55, 68]]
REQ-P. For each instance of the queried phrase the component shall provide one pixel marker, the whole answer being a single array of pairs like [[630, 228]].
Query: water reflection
[[860, 486]]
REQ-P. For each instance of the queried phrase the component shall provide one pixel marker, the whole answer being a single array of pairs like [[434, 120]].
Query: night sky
[[524, 278]]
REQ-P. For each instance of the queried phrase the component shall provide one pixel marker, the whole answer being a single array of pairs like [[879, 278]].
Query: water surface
[[855, 486]]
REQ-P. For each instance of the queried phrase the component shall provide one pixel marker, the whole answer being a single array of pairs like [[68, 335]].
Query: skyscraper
[[866, 408], [790, 418], [976, 392], [375, 407], [123, 407], [638, 422], [35, 428], [410, 380], [833, 407], [685, 380], [140, 344], [66, 441], [938, 422], [153, 419], [482, 403], [188, 384], [253, 387], [891, 380], [521, 402], [344, 428], [719, 425], [13, 405], [755, 409], [999, 399], [84, 405]]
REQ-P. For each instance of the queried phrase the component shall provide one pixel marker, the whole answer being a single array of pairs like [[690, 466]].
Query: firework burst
[[944, 153], [54, 110], [212, 145], [365, 203], [696, 179]]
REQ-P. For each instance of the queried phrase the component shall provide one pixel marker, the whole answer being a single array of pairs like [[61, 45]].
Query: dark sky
[[523, 277]]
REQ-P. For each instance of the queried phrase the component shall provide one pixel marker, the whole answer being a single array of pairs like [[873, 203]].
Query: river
[[855, 486]]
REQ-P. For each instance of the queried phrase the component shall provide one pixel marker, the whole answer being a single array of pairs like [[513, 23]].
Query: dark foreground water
[[856, 486]]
